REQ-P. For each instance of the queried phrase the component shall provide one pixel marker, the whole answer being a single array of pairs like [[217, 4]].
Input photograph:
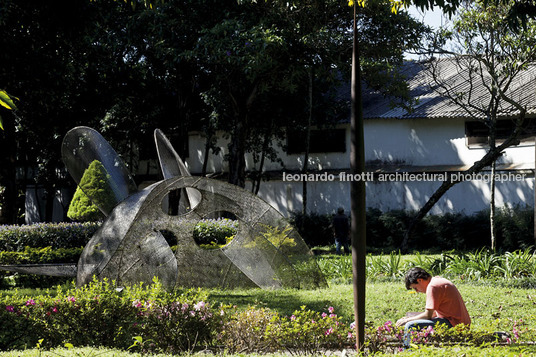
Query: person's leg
[[346, 248], [337, 245], [417, 325]]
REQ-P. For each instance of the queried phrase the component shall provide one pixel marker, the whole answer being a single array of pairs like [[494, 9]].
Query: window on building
[[321, 140], [477, 132]]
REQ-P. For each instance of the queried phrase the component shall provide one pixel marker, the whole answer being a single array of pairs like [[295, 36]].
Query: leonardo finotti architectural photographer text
[[402, 176]]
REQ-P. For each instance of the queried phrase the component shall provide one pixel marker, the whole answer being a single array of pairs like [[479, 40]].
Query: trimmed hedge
[[45, 255], [56, 235]]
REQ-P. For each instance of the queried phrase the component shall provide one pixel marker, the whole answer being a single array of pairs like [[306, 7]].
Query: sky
[[433, 18]]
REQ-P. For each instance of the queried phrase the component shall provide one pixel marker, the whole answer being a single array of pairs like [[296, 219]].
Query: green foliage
[[41, 256], [305, 332], [56, 235], [314, 228], [246, 331], [183, 321], [385, 230], [93, 194], [215, 232], [101, 314], [308, 332]]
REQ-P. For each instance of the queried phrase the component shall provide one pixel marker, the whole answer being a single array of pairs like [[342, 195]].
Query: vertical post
[[357, 193], [534, 187]]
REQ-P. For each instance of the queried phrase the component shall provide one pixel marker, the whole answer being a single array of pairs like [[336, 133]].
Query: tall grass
[[479, 265]]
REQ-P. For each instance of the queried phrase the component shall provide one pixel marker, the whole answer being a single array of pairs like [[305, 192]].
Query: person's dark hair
[[415, 273]]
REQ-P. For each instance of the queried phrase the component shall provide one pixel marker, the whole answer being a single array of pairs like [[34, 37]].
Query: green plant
[[337, 269], [245, 331], [314, 228], [308, 332], [214, 233], [93, 194], [40, 235]]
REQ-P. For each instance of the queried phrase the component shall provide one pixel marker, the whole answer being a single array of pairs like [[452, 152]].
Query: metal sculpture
[[142, 238]]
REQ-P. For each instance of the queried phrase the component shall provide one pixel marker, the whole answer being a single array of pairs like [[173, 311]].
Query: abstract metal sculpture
[[134, 244]]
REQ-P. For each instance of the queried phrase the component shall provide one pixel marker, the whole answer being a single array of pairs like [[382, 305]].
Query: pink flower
[[54, 309], [324, 315], [10, 308], [331, 309], [293, 317], [328, 331], [199, 305], [30, 302], [71, 299]]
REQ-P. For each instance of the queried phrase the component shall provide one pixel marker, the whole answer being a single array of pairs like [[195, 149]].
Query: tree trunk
[[265, 144], [492, 208], [305, 167], [8, 177], [237, 151]]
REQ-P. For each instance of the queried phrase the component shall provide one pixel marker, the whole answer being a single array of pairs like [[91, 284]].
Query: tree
[[490, 57], [264, 52]]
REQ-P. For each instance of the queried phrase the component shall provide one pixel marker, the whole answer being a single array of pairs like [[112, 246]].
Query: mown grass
[[489, 306]]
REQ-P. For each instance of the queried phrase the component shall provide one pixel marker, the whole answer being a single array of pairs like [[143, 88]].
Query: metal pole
[[357, 194]]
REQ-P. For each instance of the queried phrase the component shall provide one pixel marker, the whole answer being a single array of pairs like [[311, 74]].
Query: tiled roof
[[431, 100]]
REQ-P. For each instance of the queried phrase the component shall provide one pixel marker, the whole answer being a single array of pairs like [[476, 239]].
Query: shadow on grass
[[286, 301]]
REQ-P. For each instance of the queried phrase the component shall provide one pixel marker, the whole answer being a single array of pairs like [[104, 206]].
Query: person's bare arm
[[425, 315]]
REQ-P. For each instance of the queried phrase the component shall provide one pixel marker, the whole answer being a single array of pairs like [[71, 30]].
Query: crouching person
[[444, 303]]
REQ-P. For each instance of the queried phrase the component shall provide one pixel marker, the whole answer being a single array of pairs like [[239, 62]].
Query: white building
[[408, 152]]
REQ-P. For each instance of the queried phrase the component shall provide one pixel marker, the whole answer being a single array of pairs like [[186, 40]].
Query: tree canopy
[[242, 67]]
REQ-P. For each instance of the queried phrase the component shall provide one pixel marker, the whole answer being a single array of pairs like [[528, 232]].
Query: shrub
[[215, 231], [55, 235], [304, 332], [246, 331], [101, 314], [41, 256], [309, 332], [314, 228], [386, 230], [36, 256], [94, 192]]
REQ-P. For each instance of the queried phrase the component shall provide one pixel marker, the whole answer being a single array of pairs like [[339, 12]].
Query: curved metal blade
[[86, 153], [172, 166]]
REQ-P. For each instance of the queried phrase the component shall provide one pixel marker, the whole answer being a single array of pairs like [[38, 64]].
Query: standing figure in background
[[341, 230]]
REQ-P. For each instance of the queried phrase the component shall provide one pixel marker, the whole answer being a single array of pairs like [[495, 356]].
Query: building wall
[[431, 144]]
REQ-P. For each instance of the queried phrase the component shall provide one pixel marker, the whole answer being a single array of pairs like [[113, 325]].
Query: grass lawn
[[488, 305]]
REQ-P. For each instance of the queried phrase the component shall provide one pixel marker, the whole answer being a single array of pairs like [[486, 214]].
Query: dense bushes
[[55, 235], [314, 228], [42, 243], [102, 315], [385, 230]]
